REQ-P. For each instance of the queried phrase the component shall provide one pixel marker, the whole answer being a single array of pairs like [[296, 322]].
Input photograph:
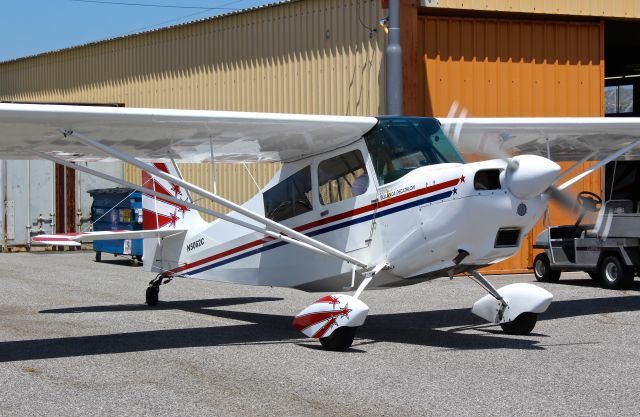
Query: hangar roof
[[625, 9], [190, 22]]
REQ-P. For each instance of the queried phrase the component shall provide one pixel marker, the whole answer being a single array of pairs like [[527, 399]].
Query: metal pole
[[3, 173], [28, 204], [394, 61], [214, 188]]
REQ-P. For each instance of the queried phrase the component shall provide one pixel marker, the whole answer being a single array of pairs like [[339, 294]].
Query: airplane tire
[[152, 295], [98, 256], [542, 269], [341, 339], [615, 274], [522, 325]]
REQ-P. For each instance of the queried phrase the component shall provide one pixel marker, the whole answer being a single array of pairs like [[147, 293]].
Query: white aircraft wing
[[186, 135], [568, 138], [75, 239]]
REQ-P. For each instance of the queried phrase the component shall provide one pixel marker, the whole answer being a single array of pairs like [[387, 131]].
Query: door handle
[[324, 213]]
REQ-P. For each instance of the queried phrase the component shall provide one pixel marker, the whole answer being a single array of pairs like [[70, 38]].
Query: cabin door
[[347, 201]]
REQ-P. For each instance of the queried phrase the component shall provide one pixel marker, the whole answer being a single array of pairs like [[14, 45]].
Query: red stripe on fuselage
[[322, 222]]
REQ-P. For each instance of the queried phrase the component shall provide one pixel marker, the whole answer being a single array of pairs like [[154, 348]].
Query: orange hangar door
[[510, 68]]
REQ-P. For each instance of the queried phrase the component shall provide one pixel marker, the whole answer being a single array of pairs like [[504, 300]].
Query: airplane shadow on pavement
[[439, 328]]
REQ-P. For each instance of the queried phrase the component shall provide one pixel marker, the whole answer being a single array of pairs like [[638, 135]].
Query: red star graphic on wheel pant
[[462, 178], [329, 299]]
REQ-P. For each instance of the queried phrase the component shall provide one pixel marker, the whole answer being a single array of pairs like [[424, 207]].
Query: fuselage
[[424, 212]]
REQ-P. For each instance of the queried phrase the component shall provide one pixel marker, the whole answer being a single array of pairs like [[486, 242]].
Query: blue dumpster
[[117, 209]]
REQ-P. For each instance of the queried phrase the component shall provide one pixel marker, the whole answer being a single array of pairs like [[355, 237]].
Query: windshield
[[399, 145]]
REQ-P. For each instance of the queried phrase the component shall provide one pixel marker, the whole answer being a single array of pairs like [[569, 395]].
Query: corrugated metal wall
[[236, 182], [312, 56], [603, 8], [501, 68]]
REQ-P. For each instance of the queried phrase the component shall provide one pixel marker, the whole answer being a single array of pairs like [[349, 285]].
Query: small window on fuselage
[[342, 177], [289, 198]]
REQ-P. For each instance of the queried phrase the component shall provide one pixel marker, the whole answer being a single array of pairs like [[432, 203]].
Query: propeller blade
[[564, 200], [492, 147]]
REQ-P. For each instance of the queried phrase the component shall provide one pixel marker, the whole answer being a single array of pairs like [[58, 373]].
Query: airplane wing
[[568, 138], [75, 239], [186, 135]]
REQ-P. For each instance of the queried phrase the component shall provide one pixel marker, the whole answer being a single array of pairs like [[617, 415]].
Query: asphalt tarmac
[[76, 340]]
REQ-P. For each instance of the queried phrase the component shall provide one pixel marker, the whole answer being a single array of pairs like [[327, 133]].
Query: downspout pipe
[[394, 61], [3, 201]]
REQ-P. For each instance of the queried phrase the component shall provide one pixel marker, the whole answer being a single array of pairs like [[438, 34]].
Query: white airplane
[[360, 202]]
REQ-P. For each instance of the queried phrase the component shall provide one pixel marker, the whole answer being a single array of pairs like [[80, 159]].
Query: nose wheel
[[522, 325], [340, 340]]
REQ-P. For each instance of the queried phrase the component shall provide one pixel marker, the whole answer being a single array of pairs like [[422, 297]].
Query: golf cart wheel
[[522, 325], [615, 274], [340, 340], [595, 275], [542, 269]]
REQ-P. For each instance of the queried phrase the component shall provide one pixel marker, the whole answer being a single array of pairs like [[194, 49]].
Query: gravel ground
[[76, 340]]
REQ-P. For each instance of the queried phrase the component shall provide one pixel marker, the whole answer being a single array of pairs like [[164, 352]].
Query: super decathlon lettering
[[195, 244], [394, 193]]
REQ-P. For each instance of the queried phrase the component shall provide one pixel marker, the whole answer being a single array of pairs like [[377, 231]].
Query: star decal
[[176, 189], [174, 218], [462, 178], [455, 191]]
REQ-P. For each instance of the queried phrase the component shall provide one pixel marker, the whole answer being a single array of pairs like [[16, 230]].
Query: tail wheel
[[615, 274], [152, 295], [522, 325], [542, 269], [341, 339]]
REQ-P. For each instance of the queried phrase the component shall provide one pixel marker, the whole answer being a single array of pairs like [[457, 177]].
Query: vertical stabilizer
[[159, 213], [160, 255]]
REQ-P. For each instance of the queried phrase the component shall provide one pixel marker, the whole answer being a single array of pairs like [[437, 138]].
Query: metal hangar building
[[496, 57]]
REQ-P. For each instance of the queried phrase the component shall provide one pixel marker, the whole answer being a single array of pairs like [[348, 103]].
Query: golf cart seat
[[616, 218]]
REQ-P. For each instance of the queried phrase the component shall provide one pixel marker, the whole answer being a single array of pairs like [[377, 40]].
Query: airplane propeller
[[525, 176]]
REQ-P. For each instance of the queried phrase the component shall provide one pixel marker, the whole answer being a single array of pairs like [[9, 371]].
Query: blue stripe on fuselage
[[327, 229]]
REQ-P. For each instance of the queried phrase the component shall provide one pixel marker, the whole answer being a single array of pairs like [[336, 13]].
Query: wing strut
[[178, 201], [270, 224]]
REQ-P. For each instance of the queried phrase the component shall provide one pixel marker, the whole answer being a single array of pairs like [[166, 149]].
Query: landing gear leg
[[522, 324], [153, 290]]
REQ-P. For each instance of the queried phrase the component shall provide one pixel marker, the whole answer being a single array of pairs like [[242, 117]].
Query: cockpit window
[[289, 198], [399, 145], [342, 177]]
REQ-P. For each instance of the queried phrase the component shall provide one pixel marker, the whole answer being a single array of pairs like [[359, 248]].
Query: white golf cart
[[608, 250]]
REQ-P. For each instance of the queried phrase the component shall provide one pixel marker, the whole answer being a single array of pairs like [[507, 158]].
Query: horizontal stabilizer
[[75, 239]]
